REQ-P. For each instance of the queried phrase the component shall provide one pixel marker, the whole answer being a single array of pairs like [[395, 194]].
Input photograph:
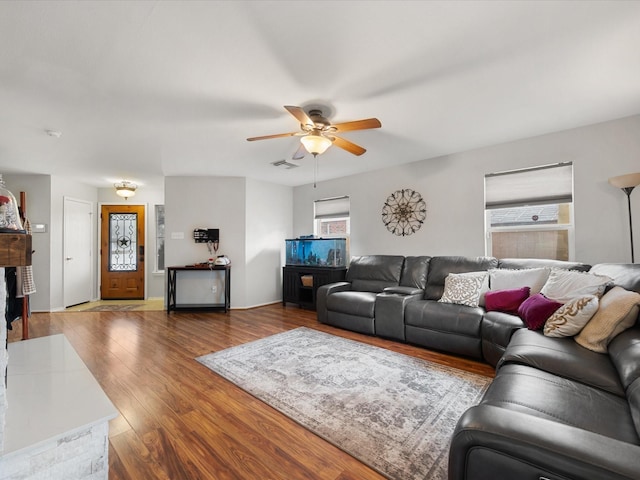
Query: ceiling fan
[[318, 134]]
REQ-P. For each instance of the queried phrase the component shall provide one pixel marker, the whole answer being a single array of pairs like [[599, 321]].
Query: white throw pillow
[[570, 318], [508, 279], [464, 288], [565, 285]]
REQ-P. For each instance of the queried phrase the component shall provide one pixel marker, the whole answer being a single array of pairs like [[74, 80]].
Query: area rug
[[111, 308], [392, 412]]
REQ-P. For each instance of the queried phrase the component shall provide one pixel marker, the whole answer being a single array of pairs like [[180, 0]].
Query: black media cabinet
[[300, 283]]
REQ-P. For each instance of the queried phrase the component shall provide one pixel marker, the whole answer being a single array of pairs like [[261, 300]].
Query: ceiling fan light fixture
[[125, 189], [315, 144]]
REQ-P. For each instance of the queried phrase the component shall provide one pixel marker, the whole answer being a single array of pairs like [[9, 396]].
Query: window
[[529, 212], [331, 217], [159, 211]]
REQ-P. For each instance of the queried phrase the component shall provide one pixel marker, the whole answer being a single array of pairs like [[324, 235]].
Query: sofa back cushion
[[518, 263], [440, 267], [373, 273], [625, 275], [414, 272]]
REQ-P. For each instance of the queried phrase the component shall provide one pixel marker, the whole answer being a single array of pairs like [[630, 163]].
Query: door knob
[[69, 258]]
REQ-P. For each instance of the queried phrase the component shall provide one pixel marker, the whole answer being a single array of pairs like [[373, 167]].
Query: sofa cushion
[[464, 288], [414, 272], [372, 273], [536, 309], [571, 318], [507, 301], [440, 267], [360, 304], [542, 394], [444, 317], [562, 357], [505, 278], [618, 311], [565, 285]]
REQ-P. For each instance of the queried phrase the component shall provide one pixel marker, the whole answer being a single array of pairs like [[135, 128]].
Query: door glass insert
[[123, 228]]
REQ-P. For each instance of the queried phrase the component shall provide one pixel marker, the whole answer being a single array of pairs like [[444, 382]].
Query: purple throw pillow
[[536, 309], [507, 301]]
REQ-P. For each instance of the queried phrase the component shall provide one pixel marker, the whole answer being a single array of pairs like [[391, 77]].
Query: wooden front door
[[122, 252]]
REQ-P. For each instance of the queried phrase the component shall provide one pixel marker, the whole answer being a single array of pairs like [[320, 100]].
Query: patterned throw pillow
[[565, 285], [618, 311], [464, 288], [569, 319], [536, 309]]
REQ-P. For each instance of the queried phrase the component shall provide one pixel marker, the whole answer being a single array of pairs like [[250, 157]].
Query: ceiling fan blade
[[300, 153], [348, 146], [277, 135], [357, 125], [300, 115]]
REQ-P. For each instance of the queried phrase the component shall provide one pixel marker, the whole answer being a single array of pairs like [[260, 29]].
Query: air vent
[[285, 164]]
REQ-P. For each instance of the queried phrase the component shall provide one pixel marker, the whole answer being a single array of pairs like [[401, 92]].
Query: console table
[[173, 276]]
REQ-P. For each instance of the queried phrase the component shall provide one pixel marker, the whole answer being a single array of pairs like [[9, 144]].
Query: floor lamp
[[627, 183]]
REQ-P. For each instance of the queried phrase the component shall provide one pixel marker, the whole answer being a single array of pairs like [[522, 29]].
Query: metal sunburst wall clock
[[404, 212]]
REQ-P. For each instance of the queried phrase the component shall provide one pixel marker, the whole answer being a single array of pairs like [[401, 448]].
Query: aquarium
[[317, 252]]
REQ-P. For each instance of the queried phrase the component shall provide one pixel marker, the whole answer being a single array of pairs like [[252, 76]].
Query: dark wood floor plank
[[179, 420]]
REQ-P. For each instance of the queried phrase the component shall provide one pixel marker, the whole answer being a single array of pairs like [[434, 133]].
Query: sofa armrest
[[400, 290], [321, 297], [493, 442], [389, 312]]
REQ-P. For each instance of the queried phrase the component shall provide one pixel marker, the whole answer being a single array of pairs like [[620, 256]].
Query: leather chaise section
[[545, 395], [562, 357]]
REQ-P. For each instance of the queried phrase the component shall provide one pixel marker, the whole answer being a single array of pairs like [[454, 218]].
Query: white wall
[[453, 188], [269, 223]]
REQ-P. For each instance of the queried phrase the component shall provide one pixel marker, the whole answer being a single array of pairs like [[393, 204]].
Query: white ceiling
[[146, 89]]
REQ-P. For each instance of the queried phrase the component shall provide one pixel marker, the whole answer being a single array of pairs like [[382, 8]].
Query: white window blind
[[337, 207], [548, 184]]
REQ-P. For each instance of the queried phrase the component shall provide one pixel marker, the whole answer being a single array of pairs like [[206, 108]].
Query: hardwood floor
[[180, 421]]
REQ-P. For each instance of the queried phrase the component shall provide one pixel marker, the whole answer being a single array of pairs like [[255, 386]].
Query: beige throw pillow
[[571, 318], [618, 311]]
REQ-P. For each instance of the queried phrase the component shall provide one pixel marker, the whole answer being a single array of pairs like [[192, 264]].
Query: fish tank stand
[[300, 283]]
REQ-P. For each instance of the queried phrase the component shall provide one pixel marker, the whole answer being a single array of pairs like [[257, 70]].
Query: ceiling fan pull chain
[[315, 170]]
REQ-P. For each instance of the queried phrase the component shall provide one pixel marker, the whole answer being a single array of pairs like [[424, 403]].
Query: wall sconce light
[[627, 183], [125, 189]]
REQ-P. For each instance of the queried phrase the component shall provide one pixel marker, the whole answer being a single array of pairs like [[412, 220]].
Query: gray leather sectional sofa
[[555, 410]]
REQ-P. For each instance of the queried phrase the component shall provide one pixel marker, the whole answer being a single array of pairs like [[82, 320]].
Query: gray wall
[[453, 188], [38, 196]]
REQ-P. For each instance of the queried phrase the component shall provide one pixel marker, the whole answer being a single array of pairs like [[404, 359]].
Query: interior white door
[[78, 251]]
